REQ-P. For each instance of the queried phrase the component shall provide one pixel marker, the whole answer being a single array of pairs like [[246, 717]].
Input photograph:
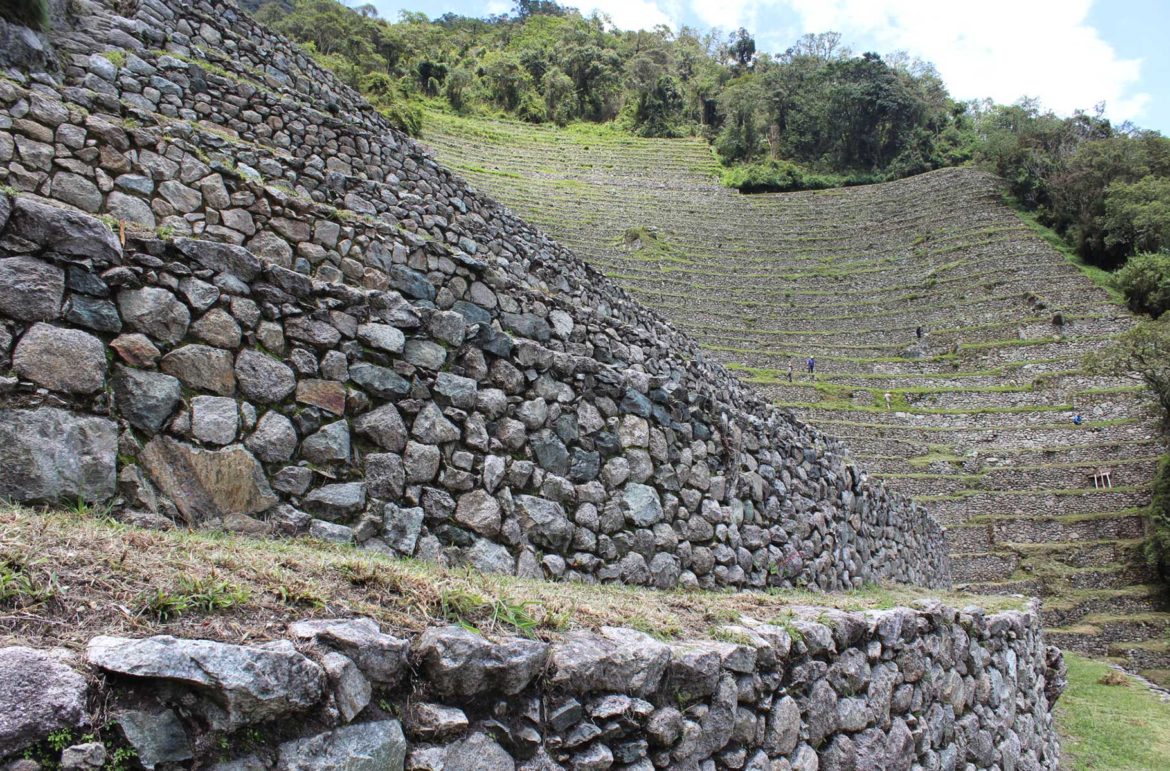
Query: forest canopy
[[812, 116]]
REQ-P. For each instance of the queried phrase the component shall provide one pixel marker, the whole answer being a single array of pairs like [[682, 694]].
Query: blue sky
[[1069, 53]]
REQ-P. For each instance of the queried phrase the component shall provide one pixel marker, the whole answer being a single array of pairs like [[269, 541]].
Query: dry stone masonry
[[322, 331], [232, 297], [979, 421], [930, 687]]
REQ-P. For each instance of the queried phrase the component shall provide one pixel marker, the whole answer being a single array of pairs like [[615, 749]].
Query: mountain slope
[[979, 418]]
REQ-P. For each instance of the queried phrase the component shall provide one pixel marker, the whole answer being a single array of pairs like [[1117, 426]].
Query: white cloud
[[1004, 49], [732, 14], [633, 14]]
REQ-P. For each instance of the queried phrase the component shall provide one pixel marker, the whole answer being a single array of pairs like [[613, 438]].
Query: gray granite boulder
[[49, 455], [40, 694], [241, 685], [30, 289], [67, 360], [377, 746]]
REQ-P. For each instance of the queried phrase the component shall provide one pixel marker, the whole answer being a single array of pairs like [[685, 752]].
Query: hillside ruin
[[232, 298]]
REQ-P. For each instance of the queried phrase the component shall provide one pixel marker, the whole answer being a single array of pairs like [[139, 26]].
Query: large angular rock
[[329, 395], [275, 438], [49, 455], [479, 511], [202, 367], [337, 501], [220, 257], [90, 756], [382, 337], [59, 359], [379, 381], [490, 557], [616, 660], [432, 428], [30, 290], [461, 391], [380, 657], [459, 663], [146, 399], [207, 484], [643, 506], [154, 312], [425, 354], [271, 248], [434, 722], [241, 685], [383, 427], [131, 209], [550, 452], [215, 419], [479, 752], [218, 328], [351, 690], [263, 378], [402, 526], [156, 737], [329, 445], [63, 231], [783, 727], [544, 522], [93, 313], [316, 333], [40, 694], [378, 746]]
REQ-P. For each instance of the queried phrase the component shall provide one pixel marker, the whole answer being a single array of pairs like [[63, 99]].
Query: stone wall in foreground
[[930, 688]]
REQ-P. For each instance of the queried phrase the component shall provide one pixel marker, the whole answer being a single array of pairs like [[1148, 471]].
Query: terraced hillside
[[978, 423]]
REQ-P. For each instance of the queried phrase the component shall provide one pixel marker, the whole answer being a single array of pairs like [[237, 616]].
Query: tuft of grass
[[1107, 727], [116, 58], [24, 584]]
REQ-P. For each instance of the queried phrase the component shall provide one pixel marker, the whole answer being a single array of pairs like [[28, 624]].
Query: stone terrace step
[[847, 275]]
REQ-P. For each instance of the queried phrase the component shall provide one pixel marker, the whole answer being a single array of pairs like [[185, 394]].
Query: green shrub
[[784, 176], [30, 13], [1145, 280]]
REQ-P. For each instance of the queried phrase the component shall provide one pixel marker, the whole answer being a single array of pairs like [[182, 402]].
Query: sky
[[1068, 53]]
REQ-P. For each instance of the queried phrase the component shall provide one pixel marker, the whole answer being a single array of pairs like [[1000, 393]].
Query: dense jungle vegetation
[[815, 115]]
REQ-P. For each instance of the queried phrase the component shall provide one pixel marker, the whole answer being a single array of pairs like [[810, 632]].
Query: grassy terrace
[[1110, 721], [978, 424], [67, 576]]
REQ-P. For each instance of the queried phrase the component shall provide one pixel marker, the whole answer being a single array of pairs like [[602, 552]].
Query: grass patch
[[111, 578], [1117, 727]]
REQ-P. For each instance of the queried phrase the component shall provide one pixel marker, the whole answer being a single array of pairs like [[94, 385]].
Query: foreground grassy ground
[[1122, 727], [67, 576]]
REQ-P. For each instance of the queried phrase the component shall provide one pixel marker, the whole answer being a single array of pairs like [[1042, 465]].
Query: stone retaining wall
[[312, 326], [199, 385], [930, 688]]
